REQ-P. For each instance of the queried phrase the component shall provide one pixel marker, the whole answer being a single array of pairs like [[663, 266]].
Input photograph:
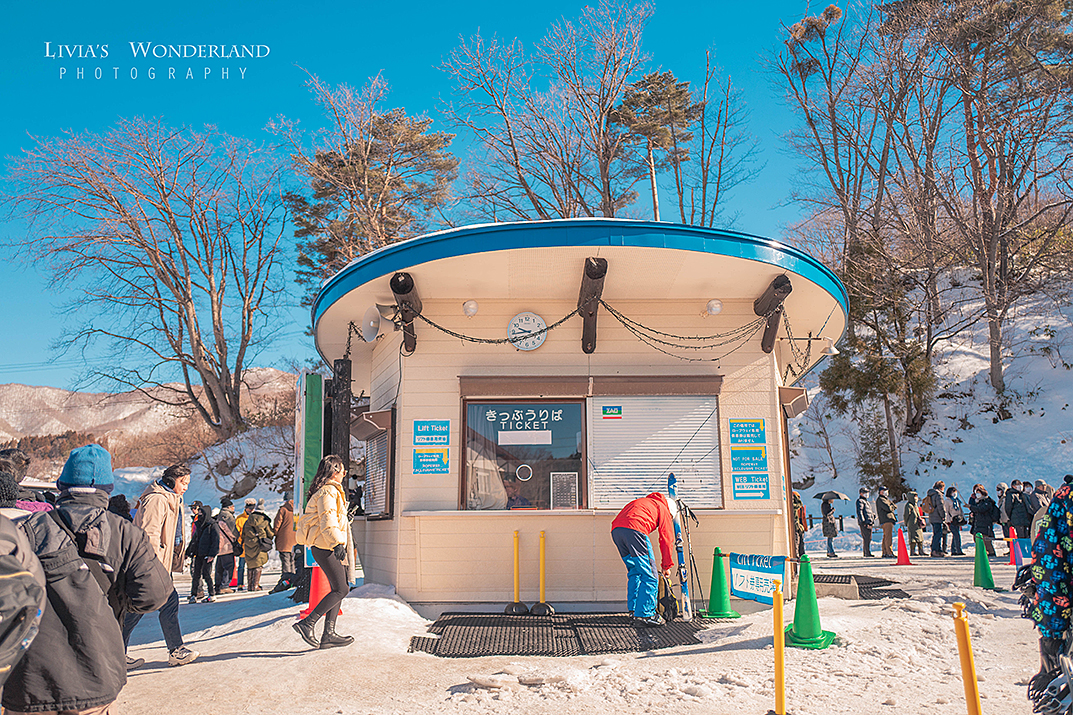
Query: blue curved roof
[[574, 232]]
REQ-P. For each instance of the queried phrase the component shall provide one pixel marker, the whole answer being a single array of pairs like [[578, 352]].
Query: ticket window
[[524, 454]]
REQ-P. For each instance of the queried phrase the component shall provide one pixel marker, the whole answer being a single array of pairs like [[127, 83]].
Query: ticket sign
[[431, 461], [747, 432], [753, 577], [432, 432], [748, 459], [751, 485]]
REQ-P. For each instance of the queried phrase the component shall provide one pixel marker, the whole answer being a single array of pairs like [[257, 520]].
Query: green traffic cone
[[981, 575], [805, 631], [719, 600]]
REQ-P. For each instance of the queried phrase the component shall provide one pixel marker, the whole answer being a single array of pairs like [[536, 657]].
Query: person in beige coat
[[325, 528], [158, 511]]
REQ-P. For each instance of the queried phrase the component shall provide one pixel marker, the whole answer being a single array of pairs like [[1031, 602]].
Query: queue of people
[[1016, 509]]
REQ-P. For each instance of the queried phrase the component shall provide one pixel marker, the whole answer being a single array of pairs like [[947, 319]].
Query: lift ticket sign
[[753, 577]]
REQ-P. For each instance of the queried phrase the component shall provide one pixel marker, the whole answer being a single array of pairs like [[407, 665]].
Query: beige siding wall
[[444, 556]]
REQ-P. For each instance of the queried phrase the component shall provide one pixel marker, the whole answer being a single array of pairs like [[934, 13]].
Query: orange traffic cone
[[318, 589], [903, 553]]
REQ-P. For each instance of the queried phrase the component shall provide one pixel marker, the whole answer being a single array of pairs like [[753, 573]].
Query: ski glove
[[340, 551]]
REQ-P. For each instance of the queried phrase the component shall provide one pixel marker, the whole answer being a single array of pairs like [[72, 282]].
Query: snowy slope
[[964, 442]]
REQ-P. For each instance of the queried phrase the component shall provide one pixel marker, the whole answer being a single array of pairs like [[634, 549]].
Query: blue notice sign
[[747, 432], [752, 485], [753, 577], [431, 461], [432, 432], [748, 459]]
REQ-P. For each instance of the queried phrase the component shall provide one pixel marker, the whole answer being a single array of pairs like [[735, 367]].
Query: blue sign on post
[[432, 432], [753, 577], [431, 461]]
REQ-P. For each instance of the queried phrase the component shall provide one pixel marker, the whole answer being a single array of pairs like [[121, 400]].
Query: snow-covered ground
[[894, 655]]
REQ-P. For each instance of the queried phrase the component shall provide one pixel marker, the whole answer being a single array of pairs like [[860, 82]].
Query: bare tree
[[375, 176], [725, 153], [552, 152], [174, 234]]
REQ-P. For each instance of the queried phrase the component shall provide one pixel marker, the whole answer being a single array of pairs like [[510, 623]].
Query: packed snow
[[896, 655]]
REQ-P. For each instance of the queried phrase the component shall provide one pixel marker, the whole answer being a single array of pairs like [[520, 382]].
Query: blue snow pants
[[641, 583]]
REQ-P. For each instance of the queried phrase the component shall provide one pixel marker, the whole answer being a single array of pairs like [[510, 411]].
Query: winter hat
[[9, 490], [225, 502], [1040, 483], [251, 502], [89, 466], [882, 490], [1003, 485], [863, 490], [260, 504]]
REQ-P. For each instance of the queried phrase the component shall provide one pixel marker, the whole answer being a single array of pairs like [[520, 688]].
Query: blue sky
[[340, 42]]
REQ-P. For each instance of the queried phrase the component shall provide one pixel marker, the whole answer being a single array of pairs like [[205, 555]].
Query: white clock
[[521, 329]]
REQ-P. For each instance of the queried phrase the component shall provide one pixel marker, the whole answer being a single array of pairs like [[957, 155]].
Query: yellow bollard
[[542, 567], [517, 571], [517, 608], [780, 647], [968, 666], [543, 608]]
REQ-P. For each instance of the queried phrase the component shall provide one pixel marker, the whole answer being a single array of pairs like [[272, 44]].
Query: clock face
[[520, 331]]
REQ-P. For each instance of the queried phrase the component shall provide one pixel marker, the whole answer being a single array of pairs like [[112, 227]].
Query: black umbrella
[[831, 495]]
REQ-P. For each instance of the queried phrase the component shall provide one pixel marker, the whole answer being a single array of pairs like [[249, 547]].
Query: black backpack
[[666, 601]]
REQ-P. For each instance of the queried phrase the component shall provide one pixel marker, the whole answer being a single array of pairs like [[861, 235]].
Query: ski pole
[[780, 645], [968, 666]]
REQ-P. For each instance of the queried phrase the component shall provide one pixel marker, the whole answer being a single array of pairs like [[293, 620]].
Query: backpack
[[666, 601]]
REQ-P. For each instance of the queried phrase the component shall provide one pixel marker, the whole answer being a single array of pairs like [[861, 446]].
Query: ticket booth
[[537, 376]]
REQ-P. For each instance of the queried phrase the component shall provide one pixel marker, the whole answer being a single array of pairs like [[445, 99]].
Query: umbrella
[[831, 495]]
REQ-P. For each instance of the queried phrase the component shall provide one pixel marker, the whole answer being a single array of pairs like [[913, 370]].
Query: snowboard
[[683, 568]]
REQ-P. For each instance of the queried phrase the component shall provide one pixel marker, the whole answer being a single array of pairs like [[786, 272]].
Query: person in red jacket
[[630, 531]]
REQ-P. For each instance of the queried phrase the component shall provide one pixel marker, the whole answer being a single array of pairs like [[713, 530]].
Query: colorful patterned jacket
[[1052, 567]]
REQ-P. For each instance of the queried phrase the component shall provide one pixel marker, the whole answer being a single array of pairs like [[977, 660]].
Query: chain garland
[[739, 337]]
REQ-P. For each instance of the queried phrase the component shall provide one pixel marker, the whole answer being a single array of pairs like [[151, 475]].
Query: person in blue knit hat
[[77, 662]]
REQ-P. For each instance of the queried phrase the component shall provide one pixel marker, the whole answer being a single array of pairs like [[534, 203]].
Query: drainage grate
[[873, 581], [831, 578], [868, 593], [471, 635]]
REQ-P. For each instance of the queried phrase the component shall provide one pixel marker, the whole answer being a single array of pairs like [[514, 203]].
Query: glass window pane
[[518, 453]]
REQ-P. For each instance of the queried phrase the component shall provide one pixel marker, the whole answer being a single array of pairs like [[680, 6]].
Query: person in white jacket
[[325, 528]]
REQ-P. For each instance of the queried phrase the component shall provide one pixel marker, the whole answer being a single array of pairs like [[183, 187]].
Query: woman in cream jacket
[[325, 529]]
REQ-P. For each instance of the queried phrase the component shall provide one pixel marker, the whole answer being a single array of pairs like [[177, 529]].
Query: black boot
[[331, 639], [306, 628]]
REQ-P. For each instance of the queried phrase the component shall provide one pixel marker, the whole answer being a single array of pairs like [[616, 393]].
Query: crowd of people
[[80, 568], [1016, 510]]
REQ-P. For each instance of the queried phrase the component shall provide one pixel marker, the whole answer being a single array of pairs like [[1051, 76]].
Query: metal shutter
[[634, 442], [377, 475]]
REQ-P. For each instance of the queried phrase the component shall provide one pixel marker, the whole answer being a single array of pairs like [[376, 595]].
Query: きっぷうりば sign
[[753, 577]]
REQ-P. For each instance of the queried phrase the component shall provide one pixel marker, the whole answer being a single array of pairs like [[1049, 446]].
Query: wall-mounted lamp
[[714, 307], [470, 308]]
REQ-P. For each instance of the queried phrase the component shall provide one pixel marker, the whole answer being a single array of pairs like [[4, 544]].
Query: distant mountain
[[125, 418]]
